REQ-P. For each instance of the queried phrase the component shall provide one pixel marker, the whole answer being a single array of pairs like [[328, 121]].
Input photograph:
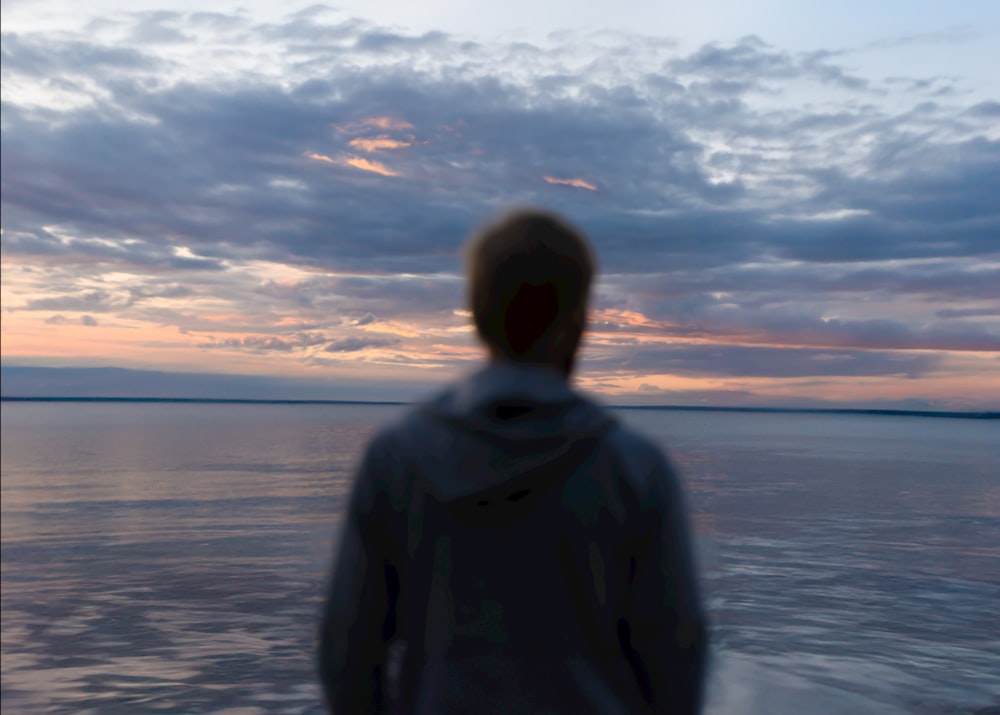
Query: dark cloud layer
[[733, 360], [350, 345], [720, 204], [270, 343], [87, 320], [196, 162]]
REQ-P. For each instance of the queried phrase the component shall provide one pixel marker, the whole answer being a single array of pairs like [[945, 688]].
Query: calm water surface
[[170, 558]]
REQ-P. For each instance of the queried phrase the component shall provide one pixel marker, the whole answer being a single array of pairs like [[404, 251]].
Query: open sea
[[171, 558]]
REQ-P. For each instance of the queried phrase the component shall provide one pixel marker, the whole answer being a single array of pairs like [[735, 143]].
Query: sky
[[793, 204]]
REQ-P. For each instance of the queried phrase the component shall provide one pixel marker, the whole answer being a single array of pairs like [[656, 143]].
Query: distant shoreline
[[986, 415]]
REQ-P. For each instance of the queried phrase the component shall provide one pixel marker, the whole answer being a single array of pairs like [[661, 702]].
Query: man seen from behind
[[509, 546]]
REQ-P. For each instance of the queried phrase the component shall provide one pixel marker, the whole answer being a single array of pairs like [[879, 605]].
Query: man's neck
[[563, 369]]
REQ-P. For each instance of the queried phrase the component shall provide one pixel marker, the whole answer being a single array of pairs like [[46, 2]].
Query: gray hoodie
[[510, 547]]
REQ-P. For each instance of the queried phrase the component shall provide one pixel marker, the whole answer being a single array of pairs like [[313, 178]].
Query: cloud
[[355, 344], [988, 109], [577, 183], [376, 167], [123, 298], [64, 245], [967, 312], [745, 361], [751, 60], [369, 294], [91, 301], [794, 328], [33, 56], [269, 343], [320, 157], [363, 125], [58, 319], [377, 144], [357, 162]]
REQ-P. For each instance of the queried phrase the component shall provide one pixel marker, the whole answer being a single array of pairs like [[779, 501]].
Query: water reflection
[[170, 558]]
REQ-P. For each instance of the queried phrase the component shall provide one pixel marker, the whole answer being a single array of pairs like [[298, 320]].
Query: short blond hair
[[529, 276]]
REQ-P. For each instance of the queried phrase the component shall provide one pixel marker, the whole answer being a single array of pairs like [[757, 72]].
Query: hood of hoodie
[[507, 426]]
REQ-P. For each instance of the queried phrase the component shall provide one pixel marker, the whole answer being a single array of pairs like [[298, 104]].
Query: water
[[170, 558]]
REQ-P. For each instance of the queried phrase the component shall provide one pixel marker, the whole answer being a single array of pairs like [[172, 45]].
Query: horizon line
[[889, 412]]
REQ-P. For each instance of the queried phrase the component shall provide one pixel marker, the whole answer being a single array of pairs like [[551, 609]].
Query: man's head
[[529, 280]]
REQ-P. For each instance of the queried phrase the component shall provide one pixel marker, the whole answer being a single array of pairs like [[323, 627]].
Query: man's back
[[511, 548]]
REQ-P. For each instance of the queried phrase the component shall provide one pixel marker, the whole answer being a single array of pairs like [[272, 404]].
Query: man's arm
[[665, 630], [358, 615]]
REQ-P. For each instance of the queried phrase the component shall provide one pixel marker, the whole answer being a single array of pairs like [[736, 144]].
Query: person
[[509, 546]]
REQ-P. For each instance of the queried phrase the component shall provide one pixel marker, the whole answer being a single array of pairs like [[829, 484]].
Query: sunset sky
[[791, 207]]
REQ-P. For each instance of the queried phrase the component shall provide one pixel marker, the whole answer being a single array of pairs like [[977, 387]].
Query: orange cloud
[[377, 144], [383, 123], [387, 123], [578, 183], [375, 167], [624, 318], [392, 327]]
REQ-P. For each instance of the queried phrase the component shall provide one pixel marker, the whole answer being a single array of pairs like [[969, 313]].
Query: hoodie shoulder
[[489, 428], [645, 464]]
